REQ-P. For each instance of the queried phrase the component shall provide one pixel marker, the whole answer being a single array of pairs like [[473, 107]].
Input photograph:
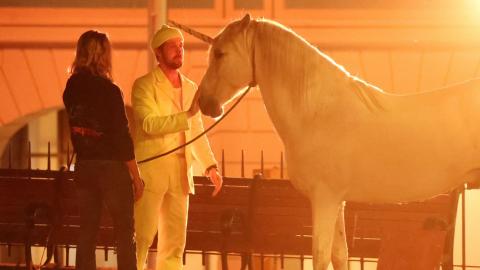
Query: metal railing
[[261, 169]]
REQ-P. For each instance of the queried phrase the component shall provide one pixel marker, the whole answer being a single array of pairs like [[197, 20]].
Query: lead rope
[[70, 160], [201, 134]]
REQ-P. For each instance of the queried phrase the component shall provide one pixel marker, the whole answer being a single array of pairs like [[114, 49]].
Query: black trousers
[[100, 182]]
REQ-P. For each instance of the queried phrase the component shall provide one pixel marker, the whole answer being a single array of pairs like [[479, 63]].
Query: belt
[[83, 131]]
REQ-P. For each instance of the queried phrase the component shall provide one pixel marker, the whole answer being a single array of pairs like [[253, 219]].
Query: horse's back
[[413, 147]]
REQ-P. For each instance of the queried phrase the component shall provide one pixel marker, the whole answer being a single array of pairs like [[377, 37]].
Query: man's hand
[[138, 186], [215, 178], [194, 107]]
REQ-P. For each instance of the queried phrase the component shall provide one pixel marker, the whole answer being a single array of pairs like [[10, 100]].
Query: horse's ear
[[245, 21]]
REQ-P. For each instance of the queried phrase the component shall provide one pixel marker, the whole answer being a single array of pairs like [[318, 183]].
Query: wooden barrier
[[249, 217]]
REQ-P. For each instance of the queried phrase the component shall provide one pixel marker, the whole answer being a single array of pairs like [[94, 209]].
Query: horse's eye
[[218, 54]]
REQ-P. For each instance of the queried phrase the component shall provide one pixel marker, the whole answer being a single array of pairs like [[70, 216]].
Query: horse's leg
[[325, 207], [339, 247]]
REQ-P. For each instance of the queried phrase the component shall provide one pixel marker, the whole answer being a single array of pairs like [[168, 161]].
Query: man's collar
[[161, 77], [158, 74]]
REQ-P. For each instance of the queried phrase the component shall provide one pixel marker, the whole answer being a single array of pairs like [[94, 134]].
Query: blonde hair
[[93, 55]]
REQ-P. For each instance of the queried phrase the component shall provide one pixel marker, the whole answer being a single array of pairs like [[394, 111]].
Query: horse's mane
[[300, 62], [314, 75], [273, 30]]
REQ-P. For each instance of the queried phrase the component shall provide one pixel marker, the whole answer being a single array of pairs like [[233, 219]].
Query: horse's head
[[230, 67]]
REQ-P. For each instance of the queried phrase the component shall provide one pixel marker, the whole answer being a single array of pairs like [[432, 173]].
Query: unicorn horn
[[192, 32]]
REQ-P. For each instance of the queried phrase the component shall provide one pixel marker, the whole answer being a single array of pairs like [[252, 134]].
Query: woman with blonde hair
[[105, 171]]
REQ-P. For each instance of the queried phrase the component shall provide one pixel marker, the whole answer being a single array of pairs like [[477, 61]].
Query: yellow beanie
[[163, 34]]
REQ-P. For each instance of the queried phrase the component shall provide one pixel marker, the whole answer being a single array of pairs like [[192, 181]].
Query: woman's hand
[[138, 187], [137, 181]]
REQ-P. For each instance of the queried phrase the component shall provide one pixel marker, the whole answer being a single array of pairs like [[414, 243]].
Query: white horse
[[344, 138]]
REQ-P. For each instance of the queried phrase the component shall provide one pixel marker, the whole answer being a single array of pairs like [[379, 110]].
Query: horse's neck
[[288, 74]]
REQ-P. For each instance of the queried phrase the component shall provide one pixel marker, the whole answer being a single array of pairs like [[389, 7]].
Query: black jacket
[[98, 123]]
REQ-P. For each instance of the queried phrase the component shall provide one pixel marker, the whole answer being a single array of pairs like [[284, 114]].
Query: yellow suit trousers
[[163, 207]]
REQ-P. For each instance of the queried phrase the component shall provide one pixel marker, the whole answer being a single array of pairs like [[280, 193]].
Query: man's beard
[[175, 63]]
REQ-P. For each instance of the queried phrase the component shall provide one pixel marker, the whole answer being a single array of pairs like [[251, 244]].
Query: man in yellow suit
[[162, 122]]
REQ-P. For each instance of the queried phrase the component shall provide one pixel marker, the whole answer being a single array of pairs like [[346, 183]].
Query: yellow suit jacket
[[158, 121]]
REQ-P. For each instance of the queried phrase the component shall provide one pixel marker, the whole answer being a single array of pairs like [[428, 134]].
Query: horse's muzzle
[[210, 106]]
